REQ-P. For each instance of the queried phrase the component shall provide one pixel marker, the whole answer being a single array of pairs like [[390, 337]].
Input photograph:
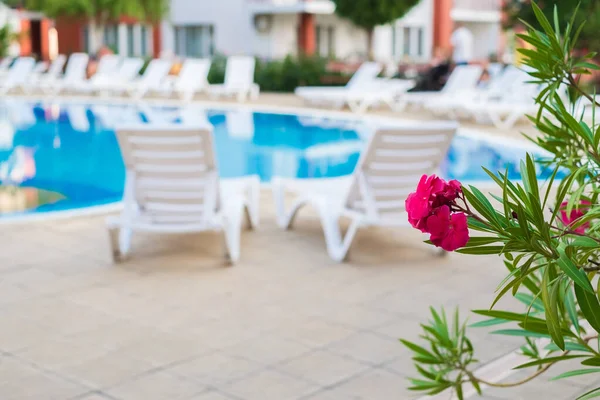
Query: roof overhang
[[292, 7], [466, 15]]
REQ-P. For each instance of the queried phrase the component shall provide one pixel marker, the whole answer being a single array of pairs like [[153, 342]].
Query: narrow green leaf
[[590, 395], [567, 266], [592, 362], [549, 360], [572, 308], [417, 349], [590, 306], [576, 373], [549, 296], [520, 332]]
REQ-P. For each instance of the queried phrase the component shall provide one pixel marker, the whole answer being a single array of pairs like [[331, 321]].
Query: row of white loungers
[[173, 186], [507, 98], [120, 77]]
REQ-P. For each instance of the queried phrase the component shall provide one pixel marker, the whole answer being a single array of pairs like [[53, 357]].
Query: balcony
[[477, 10], [291, 6]]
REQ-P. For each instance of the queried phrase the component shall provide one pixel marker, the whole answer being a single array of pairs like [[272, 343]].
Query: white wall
[[350, 41], [284, 36], [486, 38], [232, 21]]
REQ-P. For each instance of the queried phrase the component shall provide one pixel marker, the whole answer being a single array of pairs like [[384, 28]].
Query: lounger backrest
[[155, 73], [364, 75], [56, 68], [392, 164], [76, 67], [20, 71], [239, 72], [5, 63], [40, 67], [130, 68], [171, 173], [464, 77], [193, 74], [108, 64]]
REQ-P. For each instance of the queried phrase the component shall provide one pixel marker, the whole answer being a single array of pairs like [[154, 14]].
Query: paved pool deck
[[174, 322]]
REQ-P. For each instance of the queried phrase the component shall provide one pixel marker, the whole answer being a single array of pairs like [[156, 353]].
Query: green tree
[[588, 12], [368, 14], [99, 12], [548, 233]]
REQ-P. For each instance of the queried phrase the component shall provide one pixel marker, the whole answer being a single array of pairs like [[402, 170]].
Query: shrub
[[548, 236], [283, 75]]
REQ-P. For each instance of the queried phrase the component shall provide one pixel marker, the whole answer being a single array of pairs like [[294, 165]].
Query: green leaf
[[549, 360], [576, 373], [417, 349], [571, 308], [567, 266], [481, 250], [520, 332], [590, 306], [550, 298], [509, 316], [592, 362], [529, 300], [489, 322], [571, 346], [586, 242], [590, 395]]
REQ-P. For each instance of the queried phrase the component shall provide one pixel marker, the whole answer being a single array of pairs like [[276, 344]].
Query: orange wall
[[442, 24], [70, 35], [25, 41]]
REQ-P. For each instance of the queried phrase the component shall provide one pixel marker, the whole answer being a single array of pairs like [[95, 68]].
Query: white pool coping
[[369, 119]]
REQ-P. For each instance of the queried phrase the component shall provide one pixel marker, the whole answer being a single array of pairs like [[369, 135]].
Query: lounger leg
[[285, 219], [253, 203], [115, 248], [337, 247], [125, 235], [232, 227]]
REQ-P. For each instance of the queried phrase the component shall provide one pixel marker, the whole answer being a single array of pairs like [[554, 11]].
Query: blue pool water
[[71, 148]]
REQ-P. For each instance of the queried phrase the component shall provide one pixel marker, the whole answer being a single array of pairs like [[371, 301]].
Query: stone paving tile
[[40, 386], [323, 368], [374, 384], [157, 386], [216, 369], [270, 385], [538, 389]]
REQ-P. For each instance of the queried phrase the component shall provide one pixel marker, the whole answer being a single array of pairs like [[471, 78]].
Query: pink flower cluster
[[430, 210], [574, 215]]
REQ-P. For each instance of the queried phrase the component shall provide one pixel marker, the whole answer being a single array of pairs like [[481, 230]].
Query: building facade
[[273, 29]]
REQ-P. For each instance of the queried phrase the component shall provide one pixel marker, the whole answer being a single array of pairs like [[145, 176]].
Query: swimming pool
[[62, 156]]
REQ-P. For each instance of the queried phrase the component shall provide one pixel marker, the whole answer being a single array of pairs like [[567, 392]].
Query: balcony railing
[[478, 5]]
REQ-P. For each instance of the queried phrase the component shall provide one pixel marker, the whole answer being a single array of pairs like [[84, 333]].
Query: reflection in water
[[17, 199], [71, 149]]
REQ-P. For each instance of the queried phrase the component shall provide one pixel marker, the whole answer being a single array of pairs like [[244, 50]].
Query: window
[[86, 38], [130, 41], [408, 41], [111, 37], [144, 40], [325, 41], [194, 41]]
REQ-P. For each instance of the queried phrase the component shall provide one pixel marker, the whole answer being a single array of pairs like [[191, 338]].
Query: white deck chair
[[75, 73], [239, 79], [516, 101], [172, 186], [5, 64], [105, 72], [337, 96], [151, 80], [374, 195], [192, 79], [464, 77], [44, 81], [126, 73], [457, 104], [17, 75]]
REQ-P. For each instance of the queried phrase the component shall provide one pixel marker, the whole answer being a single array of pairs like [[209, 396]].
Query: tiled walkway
[[175, 323]]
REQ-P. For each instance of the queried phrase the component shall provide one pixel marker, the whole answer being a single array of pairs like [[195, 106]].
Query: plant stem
[[512, 384]]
